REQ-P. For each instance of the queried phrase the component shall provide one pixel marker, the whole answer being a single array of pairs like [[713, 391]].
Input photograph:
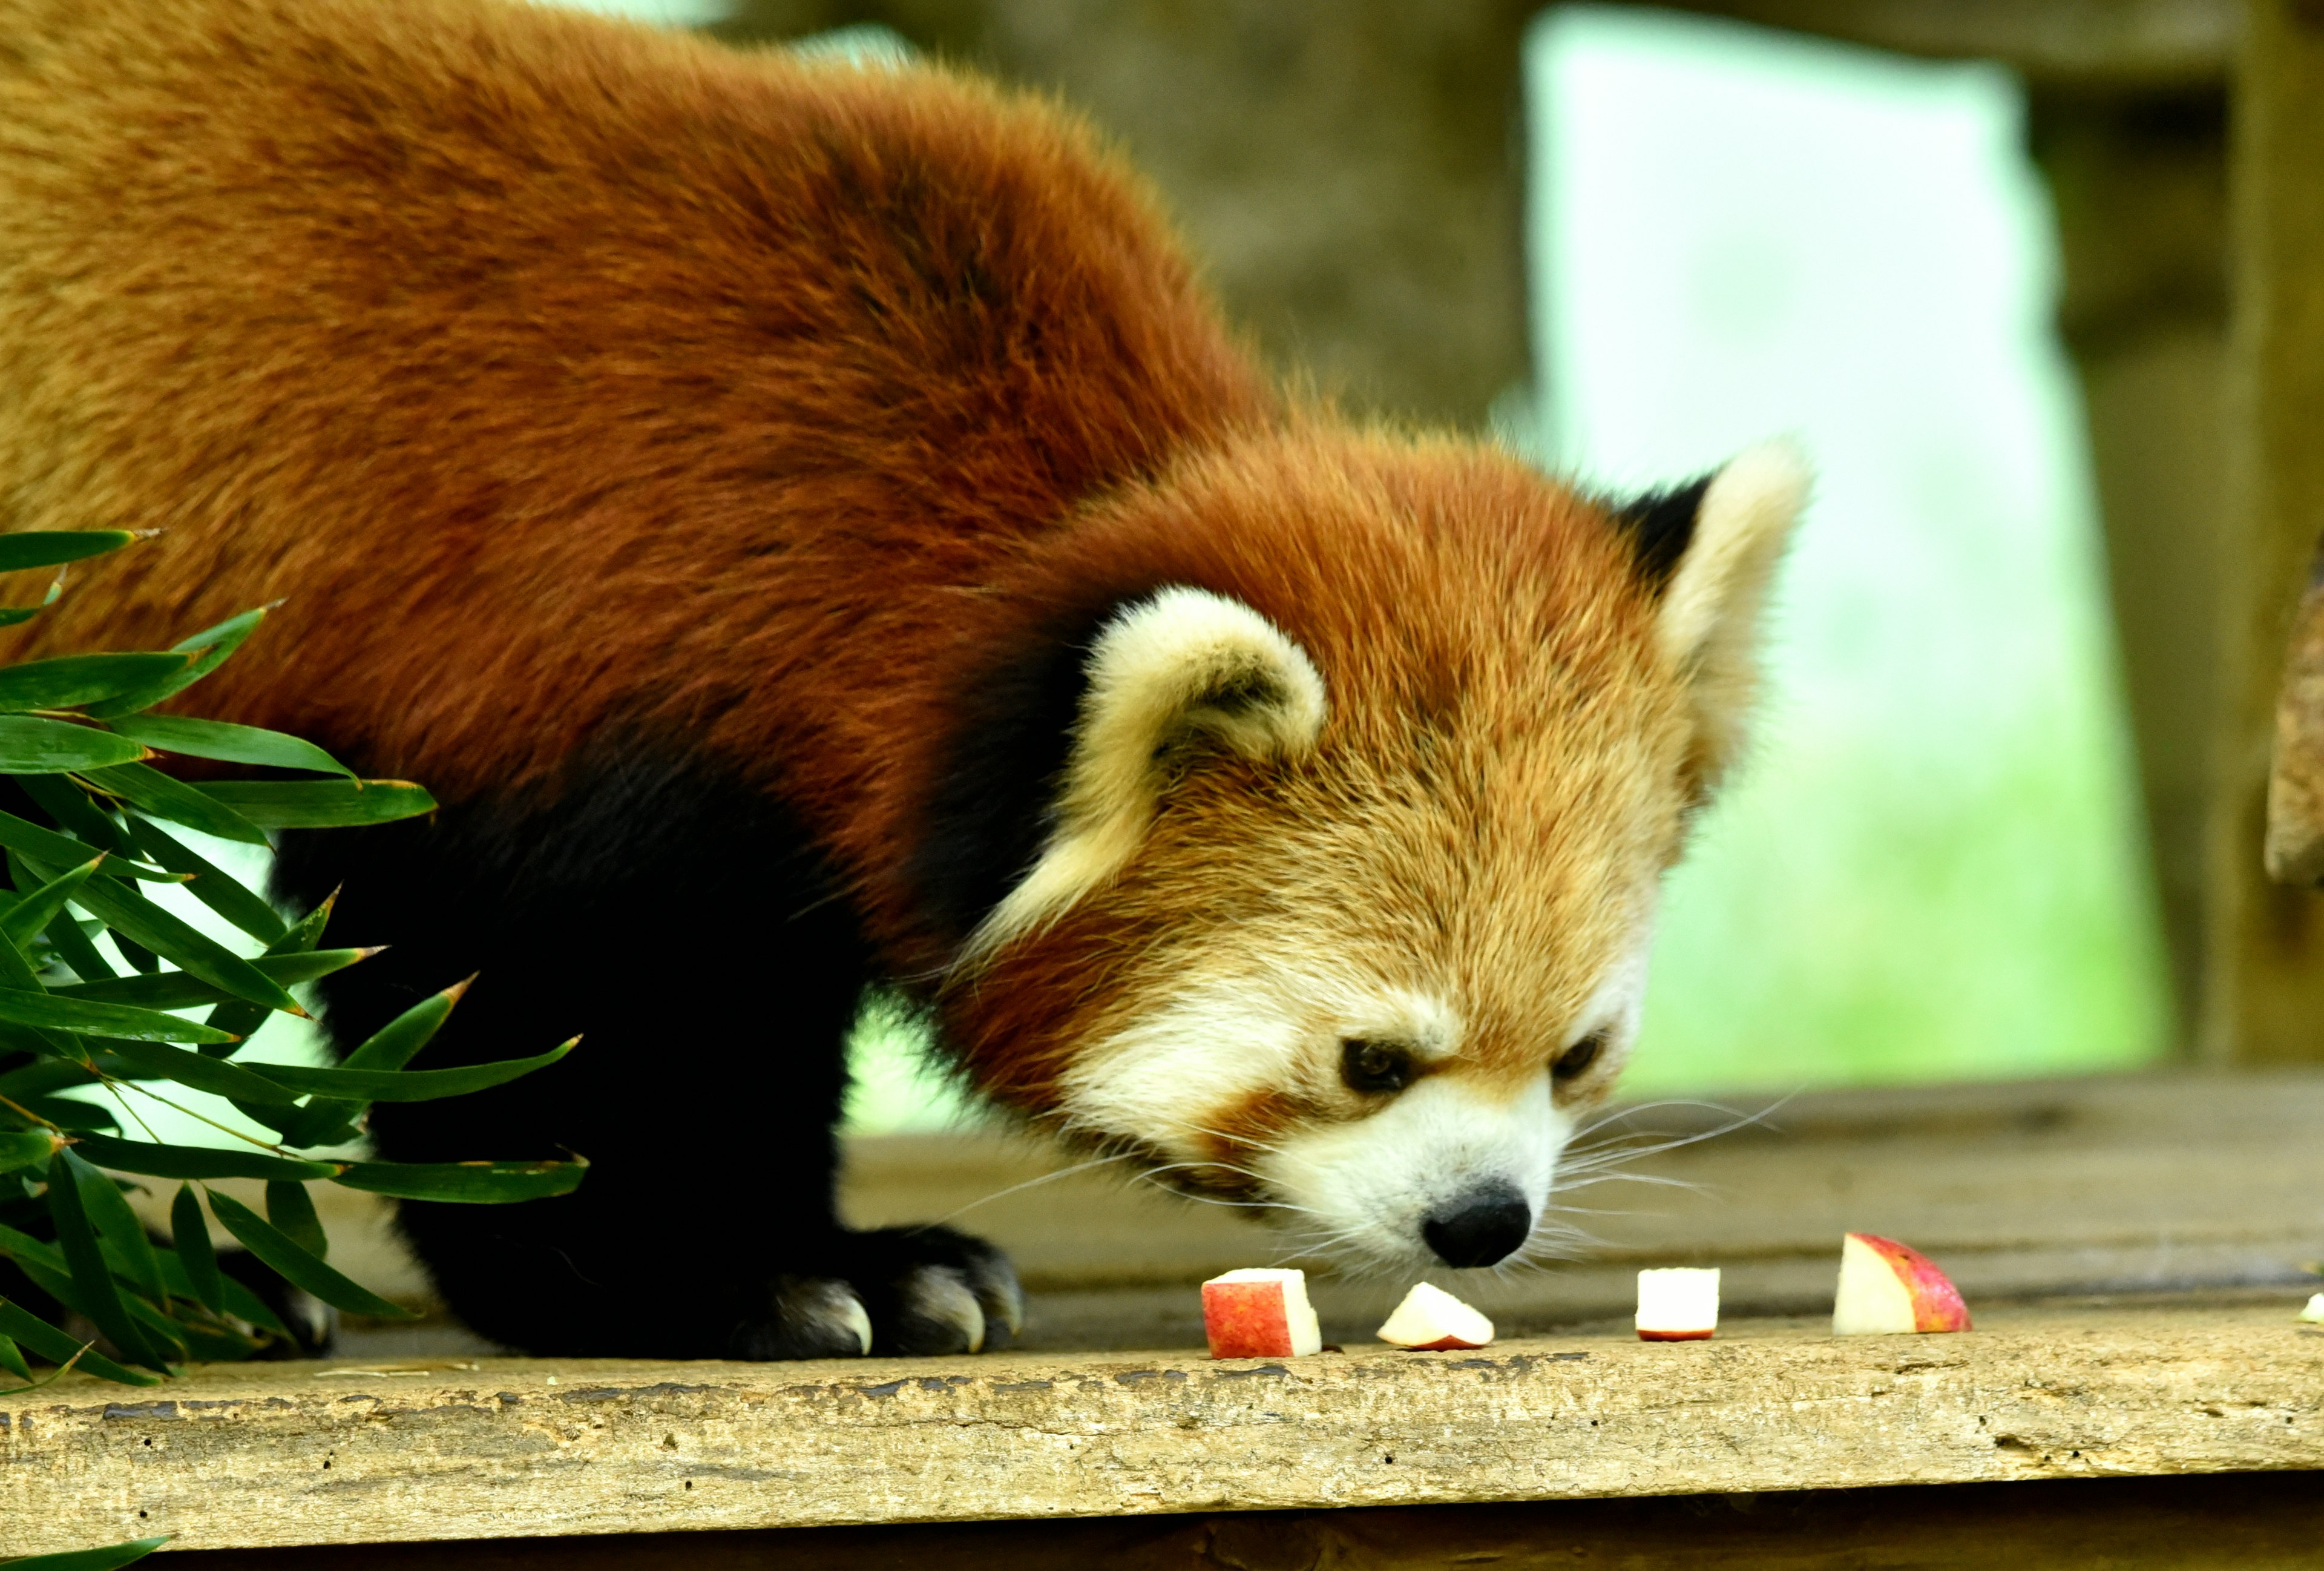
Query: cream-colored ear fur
[[1181, 669], [1710, 616]]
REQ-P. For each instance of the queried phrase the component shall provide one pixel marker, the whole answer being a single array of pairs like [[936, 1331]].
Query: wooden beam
[[2230, 1522], [297, 1453], [2264, 971]]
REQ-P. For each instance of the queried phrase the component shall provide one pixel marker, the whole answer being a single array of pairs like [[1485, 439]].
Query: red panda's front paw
[[933, 1290]]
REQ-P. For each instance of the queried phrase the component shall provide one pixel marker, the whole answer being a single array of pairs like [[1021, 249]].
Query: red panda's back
[[540, 359]]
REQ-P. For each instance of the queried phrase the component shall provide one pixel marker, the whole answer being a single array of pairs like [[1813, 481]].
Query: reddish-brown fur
[[558, 374]]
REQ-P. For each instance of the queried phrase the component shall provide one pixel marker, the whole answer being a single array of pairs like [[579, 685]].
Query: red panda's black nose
[[1481, 1227]]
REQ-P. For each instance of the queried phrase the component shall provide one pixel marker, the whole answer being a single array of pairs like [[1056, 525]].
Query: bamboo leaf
[[155, 1061], [30, 1330], [210, 647], [108, 1558], [118, 1020], [405, 1085], [80, 679], [212, 885], [184, 990], [321, 804], [473, 1182], [71, 806], [32, 746], [52, 548], [27, 838], [196, 1161], [11, 1359], [240, 1301], [246, 1018], [295, 1265], [173, 800], [196, 1257], [93, 1287], [126, 911], [291, 1210], [393, 1044], [117, 1226], [228, 744], [25, 1148], [29, 917]]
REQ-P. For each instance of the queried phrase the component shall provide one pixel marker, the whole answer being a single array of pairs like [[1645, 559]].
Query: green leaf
[[105, 1020], [52, 548], [228, 743], [39, 1079], [128, 912], [15, 615], [296, 1265], [246, 1018], [393, 1044], [216, 1076], [196, 1161], [108, 1558], [80, 679], [292, 1209], [184, 990], [74, 947], [108, 1211], [32, 746], [29, 917], [321, 804], [71, 1114], [191, 1235], [405, 1085], [240, 1301], [94, 1291], [29, 839], [175, 801], [215, 644], [212, 885], [476, 1182], [56, 1346], [11, 1359], [25, 1148]]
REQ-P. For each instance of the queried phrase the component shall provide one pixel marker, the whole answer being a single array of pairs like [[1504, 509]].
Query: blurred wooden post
[[2264, 995]]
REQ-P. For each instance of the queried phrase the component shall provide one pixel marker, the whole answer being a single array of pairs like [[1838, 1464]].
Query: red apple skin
[[1936, 1303], [1246, 1320], [1675, 1336]]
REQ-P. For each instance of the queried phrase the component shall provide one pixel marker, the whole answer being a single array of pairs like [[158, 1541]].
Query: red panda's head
[[1302, 829]]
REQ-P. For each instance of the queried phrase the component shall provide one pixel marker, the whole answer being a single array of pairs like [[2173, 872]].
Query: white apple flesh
[[2314, 1313], [1887, 1289], [1259, 1313], [1680, 1304], [1431, 1319]]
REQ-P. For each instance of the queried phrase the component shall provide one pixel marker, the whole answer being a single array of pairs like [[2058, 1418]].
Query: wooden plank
[[291, 1454], [2144, 1183], [2233, 1522], [2265, 976]]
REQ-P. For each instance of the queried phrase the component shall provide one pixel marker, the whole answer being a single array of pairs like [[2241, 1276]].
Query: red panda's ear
[[1714, 566], [1167, 677]]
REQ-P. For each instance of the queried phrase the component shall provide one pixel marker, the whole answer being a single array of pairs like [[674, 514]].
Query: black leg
[[681, 925]]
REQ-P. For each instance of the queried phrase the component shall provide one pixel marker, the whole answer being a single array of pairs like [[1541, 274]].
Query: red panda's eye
[[1576, 1060], [1374, 1066]]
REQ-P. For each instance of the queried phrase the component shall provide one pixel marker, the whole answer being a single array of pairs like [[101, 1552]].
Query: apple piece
[[2314, 1313], [1259, 1313], [1431, 1319], [1884, 1288], [1678, 1304]]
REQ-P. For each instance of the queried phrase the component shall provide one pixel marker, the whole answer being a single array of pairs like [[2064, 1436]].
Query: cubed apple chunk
[[1678, 1304], [1259, 1313], [1885, 1288], [1431, 1319]]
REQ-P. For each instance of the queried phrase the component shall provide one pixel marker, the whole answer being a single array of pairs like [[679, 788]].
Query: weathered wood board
[[302, 1454]]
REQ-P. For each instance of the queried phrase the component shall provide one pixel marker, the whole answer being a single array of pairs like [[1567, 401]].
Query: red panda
[[811, 529]]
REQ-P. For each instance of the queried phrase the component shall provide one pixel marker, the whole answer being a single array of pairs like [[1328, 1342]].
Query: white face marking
[[1364, 1184]]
